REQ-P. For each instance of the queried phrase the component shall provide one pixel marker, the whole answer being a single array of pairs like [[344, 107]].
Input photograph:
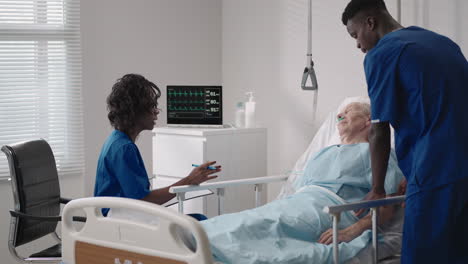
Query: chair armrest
[[45, 218], [336, 209], [224, 184], [79, 219], [54, 218], [75, 218], [64, 200]]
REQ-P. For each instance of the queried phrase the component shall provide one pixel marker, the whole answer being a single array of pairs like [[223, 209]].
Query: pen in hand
[[209, 167]]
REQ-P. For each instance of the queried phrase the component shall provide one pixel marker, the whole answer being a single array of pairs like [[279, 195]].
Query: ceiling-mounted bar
[[309, 69], [399, 11], [309, 29]]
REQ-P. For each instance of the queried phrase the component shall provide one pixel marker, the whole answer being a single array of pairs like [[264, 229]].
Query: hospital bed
[[390, 233], [163, 240]]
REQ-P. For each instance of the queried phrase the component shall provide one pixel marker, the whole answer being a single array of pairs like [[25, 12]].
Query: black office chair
[[36, 194]]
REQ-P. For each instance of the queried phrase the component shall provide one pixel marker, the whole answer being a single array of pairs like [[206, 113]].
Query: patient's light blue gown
[[286, 230]]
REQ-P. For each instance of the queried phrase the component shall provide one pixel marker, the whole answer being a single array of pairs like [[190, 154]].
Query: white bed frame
[[113, 240]]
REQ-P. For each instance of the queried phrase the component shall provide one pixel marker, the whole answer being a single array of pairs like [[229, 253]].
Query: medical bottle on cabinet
[[250, 111], [240, 115]]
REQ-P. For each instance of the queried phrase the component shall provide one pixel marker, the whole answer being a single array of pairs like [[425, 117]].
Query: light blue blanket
[[346, 171], [286, 230]]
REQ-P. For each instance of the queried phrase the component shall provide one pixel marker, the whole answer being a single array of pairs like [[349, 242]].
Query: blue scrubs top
[[417, 81], [120, 169]]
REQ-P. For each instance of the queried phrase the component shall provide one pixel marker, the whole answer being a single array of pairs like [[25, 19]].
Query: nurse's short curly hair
[[131, 96], [356, 6]]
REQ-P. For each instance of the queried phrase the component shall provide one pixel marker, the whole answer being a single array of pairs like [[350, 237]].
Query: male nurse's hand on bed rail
[[201, 174], [400, 191], [372, 195]]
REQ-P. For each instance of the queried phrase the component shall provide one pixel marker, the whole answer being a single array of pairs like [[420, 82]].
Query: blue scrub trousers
[[198, 217], [436, 225]]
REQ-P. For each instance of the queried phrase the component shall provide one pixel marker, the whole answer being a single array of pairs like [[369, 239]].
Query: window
[[40, 79]]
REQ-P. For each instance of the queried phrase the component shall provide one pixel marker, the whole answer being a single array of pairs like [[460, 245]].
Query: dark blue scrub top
[[418, 82], [120, 169]]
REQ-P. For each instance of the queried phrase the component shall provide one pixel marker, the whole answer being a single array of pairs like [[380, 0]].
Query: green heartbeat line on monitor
[[186, 102], [185, 93]]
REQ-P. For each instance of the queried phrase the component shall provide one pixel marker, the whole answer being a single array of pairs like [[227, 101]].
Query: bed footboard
[[116, 240]]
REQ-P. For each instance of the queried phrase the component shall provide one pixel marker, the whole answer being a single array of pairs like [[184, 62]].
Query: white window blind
[[40, 79]]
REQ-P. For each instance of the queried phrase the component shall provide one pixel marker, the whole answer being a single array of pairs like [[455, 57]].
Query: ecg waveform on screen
[[193, 102]]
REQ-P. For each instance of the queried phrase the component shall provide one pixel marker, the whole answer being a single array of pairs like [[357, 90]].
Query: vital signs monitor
[[194, 105]]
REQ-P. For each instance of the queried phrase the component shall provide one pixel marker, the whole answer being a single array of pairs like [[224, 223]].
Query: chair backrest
[[116, 240], [36, 189]]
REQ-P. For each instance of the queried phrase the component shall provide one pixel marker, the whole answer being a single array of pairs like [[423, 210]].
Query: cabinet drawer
[[174, 155]]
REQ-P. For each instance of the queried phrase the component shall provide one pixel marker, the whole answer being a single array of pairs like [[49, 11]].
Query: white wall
[[256, 45], [167, 41], [444, 17], [264, 50]]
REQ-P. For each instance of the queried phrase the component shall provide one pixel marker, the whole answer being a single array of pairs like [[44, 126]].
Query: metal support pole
[[258, 190], [399, 11], [180, 199], [220, 193], [336, 257], [375, 217]]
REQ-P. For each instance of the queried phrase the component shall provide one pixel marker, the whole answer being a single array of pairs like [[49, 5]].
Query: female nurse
[[132, 106]]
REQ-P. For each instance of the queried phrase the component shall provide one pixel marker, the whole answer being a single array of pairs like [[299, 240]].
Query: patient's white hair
[[363, 107]]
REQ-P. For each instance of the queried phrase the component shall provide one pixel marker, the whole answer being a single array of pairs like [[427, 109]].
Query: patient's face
[[352, 120]]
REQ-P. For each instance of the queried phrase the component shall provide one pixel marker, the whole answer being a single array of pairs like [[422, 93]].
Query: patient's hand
[[344, 235]]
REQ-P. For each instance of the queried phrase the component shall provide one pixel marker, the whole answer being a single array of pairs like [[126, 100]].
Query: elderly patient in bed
[[295, 229]]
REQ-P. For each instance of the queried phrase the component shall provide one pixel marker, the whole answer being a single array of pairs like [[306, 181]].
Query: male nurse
[[418, 83]]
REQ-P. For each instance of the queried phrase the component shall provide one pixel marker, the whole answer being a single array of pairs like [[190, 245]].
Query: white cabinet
[[240, 152]]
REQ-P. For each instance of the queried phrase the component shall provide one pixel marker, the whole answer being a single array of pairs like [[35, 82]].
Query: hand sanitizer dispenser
[[240, 115], [250, 111]]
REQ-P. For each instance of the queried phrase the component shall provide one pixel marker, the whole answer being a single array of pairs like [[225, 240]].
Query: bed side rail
[[219, 187], [336, 210]]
